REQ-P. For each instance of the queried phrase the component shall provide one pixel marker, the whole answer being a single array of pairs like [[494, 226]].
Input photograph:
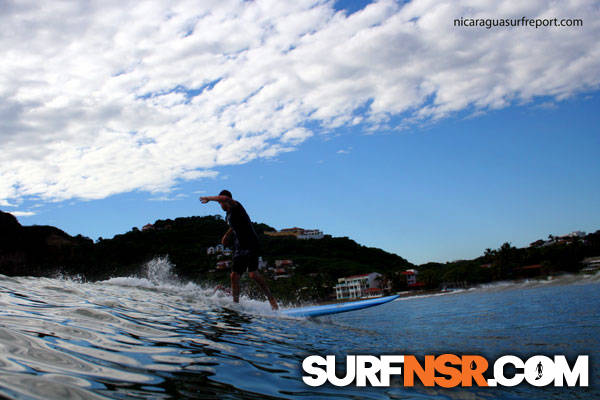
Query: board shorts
[[245, 262]]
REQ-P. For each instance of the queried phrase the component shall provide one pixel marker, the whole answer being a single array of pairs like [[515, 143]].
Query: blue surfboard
[[315, 311]]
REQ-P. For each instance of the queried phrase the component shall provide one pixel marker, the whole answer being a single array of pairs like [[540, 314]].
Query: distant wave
[[567, 279]]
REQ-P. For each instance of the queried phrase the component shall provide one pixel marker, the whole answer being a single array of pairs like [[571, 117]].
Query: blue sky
[[363, 124], [436, 193]]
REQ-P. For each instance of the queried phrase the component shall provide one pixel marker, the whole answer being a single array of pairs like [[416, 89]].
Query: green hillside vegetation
[[508, 262]]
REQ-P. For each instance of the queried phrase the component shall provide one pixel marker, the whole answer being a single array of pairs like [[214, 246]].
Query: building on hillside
[[285, 232], [299, 233], [571, 237], [283, 263], [219, 249], [311, 234], [575, 236], [281, 273], [591, 264], [358, 286], [529, 271], [411, 278], [537, 243], [223, 264], [148, 227], [262, 264]]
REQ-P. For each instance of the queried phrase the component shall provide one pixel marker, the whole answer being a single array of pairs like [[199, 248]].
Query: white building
[[219, 249], [591, 264], [310, 234], [357, 286], [262, 264], [299, 233], [411, 276]]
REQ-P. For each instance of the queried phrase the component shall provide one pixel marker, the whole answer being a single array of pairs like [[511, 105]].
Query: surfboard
[[316, 311]]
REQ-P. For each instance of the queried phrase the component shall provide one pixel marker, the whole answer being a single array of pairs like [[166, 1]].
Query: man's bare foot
[[273, 302]]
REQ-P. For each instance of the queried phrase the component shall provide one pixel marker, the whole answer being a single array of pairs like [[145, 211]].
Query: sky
[[380, 121]]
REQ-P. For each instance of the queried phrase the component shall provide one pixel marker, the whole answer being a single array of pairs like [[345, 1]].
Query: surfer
[[245, 244], [539, 370]]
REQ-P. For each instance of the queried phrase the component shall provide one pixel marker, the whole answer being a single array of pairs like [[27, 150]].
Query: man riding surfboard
[[246, 246]]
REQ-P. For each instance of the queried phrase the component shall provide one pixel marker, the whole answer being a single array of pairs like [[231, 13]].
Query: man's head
[[225, 205]]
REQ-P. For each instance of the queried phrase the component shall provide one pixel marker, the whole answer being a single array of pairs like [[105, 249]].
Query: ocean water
[[155, 337]]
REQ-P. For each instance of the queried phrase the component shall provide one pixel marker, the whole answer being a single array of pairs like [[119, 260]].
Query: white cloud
[[549, 105], [5, 203], [105, 97], [22, 213], [179, 196]]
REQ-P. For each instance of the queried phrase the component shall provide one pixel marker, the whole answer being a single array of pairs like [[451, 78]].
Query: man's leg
[[263, 285], [235, 286]]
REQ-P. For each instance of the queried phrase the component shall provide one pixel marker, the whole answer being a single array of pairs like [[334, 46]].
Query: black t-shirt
[[246, 240]]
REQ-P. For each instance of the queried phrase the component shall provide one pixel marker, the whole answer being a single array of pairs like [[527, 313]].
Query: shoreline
[[428, 292]]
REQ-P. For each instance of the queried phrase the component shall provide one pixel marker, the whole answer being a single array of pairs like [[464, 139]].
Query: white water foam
[[158, 275]]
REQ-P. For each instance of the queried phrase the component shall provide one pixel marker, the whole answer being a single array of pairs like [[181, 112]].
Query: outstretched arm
[[220, 199]]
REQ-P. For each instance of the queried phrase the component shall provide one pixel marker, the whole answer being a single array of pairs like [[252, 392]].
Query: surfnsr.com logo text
[[447, 370]]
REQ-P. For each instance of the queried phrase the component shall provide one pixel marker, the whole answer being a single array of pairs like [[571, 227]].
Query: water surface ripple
[[157, 338]]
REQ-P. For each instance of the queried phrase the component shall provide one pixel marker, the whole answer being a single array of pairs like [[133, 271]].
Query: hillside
[[541, 258], [38, 250], [41, 250], [316, 264]]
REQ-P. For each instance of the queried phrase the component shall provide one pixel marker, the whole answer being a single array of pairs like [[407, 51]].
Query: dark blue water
[[157, 338]]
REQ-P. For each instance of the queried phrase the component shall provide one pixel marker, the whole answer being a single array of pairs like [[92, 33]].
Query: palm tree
[[489, 253]]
